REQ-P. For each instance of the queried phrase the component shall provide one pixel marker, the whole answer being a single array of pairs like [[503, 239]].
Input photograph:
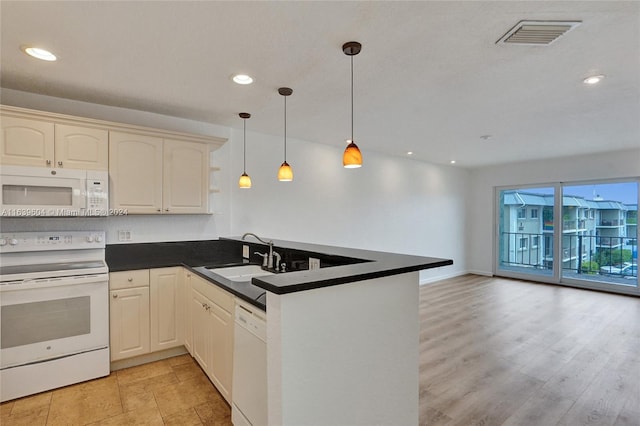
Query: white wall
[[144, 228], [390, 204], [480, 214]]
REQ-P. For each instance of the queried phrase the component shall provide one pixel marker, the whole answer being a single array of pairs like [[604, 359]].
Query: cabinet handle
[[48, 162], [159, 210], [129, 279], [60, 163], [115, 295], [166, 210]]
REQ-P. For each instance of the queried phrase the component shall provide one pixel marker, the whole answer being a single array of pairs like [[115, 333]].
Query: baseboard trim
[[454, 275], [147, 358]]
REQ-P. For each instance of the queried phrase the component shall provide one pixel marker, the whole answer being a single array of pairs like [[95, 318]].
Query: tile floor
[[174, 391]]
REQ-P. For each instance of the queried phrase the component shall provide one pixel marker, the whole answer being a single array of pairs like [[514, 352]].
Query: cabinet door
[[135, 170], [81, 147], [186, 177], [25, 142], [201, 329], [188, 324], [166, 308], [221, 350], [129, 321]]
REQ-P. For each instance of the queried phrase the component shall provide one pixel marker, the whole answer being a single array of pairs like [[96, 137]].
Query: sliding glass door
[[601, 233], [525, 231], [577, 234]]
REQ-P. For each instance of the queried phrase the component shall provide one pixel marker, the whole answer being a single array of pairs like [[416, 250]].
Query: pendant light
[[245, 180], [285, 173], [352, 157]]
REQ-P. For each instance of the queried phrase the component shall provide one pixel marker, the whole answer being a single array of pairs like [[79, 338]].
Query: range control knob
[[13, 242], [98, 239], [90, 238], [3, 241]]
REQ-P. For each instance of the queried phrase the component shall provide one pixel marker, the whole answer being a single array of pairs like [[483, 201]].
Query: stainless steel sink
[[240, 273]]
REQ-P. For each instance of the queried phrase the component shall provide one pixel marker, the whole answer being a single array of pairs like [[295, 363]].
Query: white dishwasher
[[249, 399]]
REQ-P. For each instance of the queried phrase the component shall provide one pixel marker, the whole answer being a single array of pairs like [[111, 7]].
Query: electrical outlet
[[245, 251], [124, 235], [314, 263]]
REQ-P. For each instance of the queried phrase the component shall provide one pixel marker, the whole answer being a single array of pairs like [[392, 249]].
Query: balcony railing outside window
[[581, 254]]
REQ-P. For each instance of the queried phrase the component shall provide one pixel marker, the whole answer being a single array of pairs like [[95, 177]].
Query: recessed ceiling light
[[453, 161], [38, 53], [409, 152], [594, 79], [242, 79]]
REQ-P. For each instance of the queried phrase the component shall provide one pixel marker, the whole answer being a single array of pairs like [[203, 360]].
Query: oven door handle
[[53, 282]]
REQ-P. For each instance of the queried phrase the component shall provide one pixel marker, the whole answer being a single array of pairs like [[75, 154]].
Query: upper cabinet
[[151, 171], [135, 173], [151, 175], [185, 183], [81, 147], [40, 143], [26, 142]]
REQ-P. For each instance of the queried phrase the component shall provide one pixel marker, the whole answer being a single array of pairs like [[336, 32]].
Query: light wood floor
[[493, 352], [505, 352]]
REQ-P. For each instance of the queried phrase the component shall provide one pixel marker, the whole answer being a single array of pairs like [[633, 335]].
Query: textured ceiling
[[430, 78]]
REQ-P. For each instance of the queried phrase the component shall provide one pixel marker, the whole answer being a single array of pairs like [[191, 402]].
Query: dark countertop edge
[[328, 282], [375, 265]]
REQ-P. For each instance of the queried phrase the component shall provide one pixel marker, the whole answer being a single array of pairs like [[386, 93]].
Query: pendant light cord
[[244, 146], [285, 129], [352, 99]]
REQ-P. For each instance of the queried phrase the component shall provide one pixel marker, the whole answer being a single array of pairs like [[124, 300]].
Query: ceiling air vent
[[537, 33]]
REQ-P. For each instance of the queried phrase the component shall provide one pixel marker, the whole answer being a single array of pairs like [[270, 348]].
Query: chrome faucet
[[270, 243]]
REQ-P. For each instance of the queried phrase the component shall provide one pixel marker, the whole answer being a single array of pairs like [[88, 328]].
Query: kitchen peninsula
[[342, 340]]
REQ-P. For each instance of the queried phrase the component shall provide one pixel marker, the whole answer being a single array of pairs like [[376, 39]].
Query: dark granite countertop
[[339, 265], [370, 265]]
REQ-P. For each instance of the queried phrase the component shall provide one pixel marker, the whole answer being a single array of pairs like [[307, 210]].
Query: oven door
[[53, 318]]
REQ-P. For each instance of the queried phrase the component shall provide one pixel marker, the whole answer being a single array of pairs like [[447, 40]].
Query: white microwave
[[39, 191]]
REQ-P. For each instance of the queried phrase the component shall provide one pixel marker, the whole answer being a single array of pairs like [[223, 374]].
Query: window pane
[[526, 231], [600, 233]]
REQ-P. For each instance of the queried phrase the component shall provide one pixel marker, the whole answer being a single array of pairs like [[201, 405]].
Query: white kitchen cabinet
[[81, 147], [212, 328], [185, 186], [201, 330], [186, 291], [166, 308], [129, 322], [151, 175], [41, 143], [135, 173]]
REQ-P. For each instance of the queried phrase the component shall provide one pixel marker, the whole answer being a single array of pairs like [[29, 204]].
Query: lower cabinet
[[166, 308], [212, 333], [129, 322], [146, 311], [157, 309]]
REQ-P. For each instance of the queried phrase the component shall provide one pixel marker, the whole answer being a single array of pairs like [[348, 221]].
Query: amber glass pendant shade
[[285, 172], [245, 181], [352, 157]]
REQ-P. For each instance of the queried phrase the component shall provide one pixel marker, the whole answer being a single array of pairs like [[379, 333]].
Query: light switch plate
[[245, 251], [314, 263], [124, 235]]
